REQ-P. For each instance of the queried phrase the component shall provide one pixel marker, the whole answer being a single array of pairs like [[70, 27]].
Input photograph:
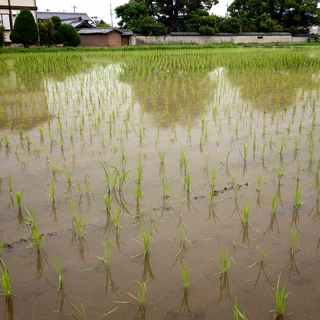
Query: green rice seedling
[[80, 309], [165, 188], [58, 267], [106, 253], [141, 298], [187, 181], [213, 176], [37, 239], [282, 144], [145, 240], [245, 151], [185, 274], [237, 313], [106, 174], [137, 193], [69, 174], [246, 212], [297, 198], [161, 157], [281, 296], [274, 205], [79, 227], [10, 184], [293, 240], [183, 161], [18, 197], [224, 261], [108, 200], [5, 280], [87, 183]]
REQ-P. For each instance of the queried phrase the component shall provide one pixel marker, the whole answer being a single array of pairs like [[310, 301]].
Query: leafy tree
[[169, 12], [56, 22], [201, 21], [286, 13], [47, 32], [102, 24], [228, 25], [130, 11], [148, 26], [68, 35], [25, 29], [2, 37]]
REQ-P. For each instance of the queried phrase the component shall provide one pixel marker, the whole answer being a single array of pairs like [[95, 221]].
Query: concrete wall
[[300, 38], [234, 38]]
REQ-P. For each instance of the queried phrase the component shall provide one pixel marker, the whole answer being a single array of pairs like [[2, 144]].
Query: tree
[[68, 35], [285, 13], [201, 21], [56, 22], [148, 26], [169, 12], [102, 24], [2, 37], [25, 29], [136, 16], [229, 25], [130, 11], [47, 32]]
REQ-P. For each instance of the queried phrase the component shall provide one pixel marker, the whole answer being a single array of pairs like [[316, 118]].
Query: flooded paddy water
[[157, 184]]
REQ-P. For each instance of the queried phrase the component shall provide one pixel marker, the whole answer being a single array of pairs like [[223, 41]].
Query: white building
[[9, 9]]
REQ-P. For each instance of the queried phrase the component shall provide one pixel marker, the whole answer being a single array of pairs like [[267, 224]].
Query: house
[[104, 37], [9, 9], [77, 20]]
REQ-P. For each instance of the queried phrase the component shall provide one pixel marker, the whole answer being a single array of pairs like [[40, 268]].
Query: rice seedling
[[58, 267], [187, 182], [185, 274], [141, 297], [145, 240], [18, 197], [281, 296], [106, 253], [237, 313], [5, 280], [297, 198], [37, 239], [80, 311]]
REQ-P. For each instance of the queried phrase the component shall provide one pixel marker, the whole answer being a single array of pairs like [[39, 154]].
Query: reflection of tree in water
[[171, 86], [271, 80], [22, 92]]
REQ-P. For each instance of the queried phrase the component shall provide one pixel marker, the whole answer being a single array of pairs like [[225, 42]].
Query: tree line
[[158, 17]]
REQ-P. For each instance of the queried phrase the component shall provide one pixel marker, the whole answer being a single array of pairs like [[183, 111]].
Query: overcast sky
[[101, 9]]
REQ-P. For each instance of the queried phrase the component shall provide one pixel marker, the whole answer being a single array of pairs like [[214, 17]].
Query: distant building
[[77, 20], [9, 9], [105, 37]]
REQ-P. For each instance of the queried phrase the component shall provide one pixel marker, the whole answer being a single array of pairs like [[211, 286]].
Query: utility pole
[[111, 14], [74, 8]]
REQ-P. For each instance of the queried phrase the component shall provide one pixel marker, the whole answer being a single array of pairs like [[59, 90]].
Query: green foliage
[[102, 24], [2, 37], [171, 14], [148, 26], [314, 37], [201, 21], [46, 32], [285, 13], [228, 25], [25, 29], [68, 35], [56, 22], [129, 12]]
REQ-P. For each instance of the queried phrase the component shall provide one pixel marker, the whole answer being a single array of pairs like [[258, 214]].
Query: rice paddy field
[[160, 184]]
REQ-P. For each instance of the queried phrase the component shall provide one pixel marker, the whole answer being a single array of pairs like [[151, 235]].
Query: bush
[[2, 38], [207, 31], [46, 32], [68, 35], [25, 29], [148, 26], [314, 37]]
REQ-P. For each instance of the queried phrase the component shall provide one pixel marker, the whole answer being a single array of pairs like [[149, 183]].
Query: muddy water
[[105, 116]]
